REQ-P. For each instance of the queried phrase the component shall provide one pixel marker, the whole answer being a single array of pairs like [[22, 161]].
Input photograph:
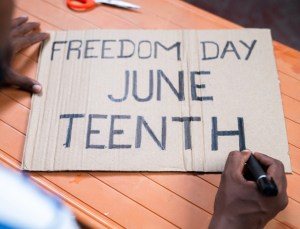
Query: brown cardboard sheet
[[151, 100]]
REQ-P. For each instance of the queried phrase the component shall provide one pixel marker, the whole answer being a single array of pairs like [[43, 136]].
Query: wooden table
[[140, 200]]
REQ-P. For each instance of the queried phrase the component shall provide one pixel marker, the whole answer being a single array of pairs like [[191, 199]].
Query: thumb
[[23, 82]]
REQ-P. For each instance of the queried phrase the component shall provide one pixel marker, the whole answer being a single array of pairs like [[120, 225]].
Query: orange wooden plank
[[212, 178], [21, 97], [288, 50], [289, 86], [274, 224], [293, 186], [188, 186], [291, 108], [295, 158], [290, 215], [202, 14], [13, 113], [183, 15], [43, 24], [293, 132], [157, 199], [13, 141], [107, 200], [288, 61]]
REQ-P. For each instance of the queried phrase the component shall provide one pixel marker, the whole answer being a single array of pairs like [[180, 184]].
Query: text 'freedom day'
[[145, 49]]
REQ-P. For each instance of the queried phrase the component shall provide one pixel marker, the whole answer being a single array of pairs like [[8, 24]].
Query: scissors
[[88, 4]]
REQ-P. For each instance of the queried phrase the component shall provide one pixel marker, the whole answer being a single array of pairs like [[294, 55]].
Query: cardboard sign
[[151, 100]]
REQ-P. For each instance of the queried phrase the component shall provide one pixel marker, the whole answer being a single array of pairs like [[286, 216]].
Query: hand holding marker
[[265, 186]]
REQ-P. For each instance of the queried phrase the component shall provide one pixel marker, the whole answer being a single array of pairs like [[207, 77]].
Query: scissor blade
[[119, 3]]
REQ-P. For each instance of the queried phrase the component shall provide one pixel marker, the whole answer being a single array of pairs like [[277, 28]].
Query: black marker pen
[[265, 186]]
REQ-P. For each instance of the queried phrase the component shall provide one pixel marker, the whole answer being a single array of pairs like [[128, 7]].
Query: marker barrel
[[265, 186]]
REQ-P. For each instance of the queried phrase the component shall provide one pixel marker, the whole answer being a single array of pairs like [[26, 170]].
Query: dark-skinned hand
[[17, 35], [238, 203]]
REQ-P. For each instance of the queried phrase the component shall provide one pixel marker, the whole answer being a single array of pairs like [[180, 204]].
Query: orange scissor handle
[[81, 4]]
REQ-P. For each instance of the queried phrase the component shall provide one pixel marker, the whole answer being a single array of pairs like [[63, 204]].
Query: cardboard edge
[[23, 163], [288, 170]]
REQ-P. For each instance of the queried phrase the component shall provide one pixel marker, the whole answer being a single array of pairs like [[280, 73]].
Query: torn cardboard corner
[[150, 100]]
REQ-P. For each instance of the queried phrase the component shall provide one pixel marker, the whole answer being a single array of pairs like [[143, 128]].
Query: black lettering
[[90, 132], [134, 90], [233, 49], [179, 93], [113, 132], [76, 48], [215, 133], [138, 139], [176, 45], [205, 57], [140, 49], [194, 86], [105, 49], [54, 49], [70, 126], [87, 54], [122, 49], [187, 129], [125, 91], [250, 48]]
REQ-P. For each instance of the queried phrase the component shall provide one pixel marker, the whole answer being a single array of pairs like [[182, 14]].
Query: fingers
[[235, 164], [14, 79], [16, 35], [24, 34], [23, 42], [264, 159], [24, 29], [272, 165], [275, 169], [18, 21]]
